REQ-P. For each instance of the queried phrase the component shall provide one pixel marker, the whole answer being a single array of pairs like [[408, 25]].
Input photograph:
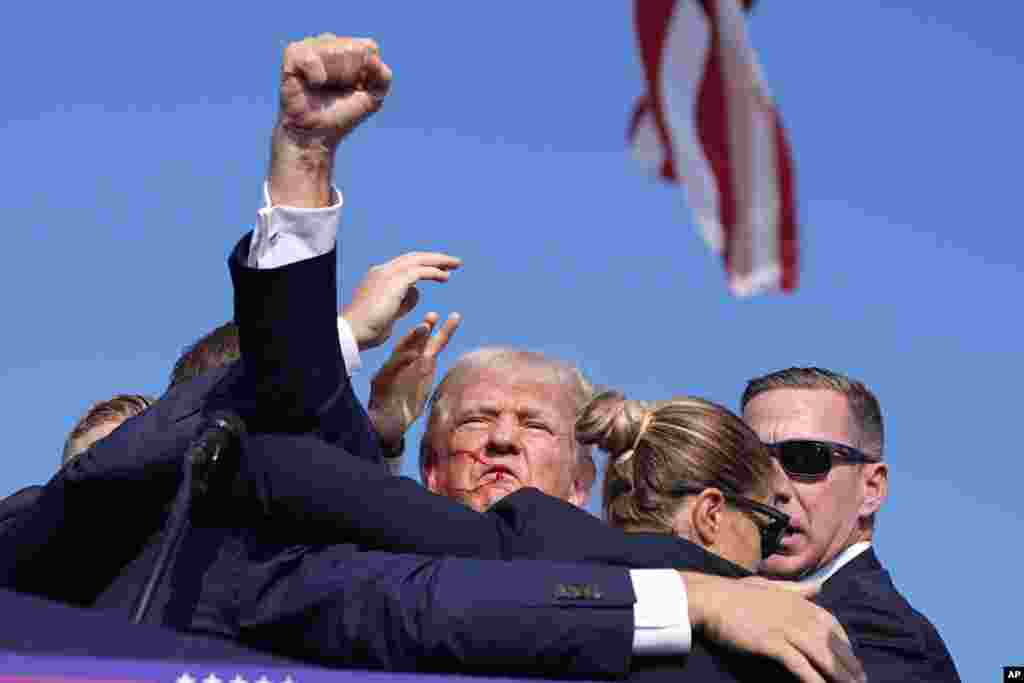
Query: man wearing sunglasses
[[826, 432]]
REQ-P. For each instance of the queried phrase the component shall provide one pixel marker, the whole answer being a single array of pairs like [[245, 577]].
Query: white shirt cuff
[[661, 614], [349, 347], [288, 234]]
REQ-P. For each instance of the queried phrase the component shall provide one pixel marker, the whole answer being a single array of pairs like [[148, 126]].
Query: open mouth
[[789, 538]]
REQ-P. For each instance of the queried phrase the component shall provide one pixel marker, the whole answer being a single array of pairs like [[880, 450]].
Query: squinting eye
[[538, 425]]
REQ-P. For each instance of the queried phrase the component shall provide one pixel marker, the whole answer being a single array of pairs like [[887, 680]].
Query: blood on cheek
[[479, 459]]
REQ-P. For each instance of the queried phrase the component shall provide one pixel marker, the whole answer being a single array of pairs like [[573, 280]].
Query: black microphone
[[209, 453], [206, 459]]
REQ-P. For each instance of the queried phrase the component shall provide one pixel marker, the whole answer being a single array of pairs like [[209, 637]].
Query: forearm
[[467, 616], [136, 468], [289, 338], [301, 169]]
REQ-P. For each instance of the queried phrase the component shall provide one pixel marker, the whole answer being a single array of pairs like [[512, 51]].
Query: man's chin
[[491, 493]]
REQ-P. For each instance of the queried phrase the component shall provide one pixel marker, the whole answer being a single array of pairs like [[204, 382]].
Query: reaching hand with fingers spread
[[329, 85], [750, 616], [399, 390], [389, 291]]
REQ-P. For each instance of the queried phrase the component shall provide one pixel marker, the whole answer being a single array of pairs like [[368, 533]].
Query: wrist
[[301, 168], [360, 334], [390, 434], [696, 596]]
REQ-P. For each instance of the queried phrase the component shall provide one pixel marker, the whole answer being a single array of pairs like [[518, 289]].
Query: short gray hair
[[500, 358], [865, 411]]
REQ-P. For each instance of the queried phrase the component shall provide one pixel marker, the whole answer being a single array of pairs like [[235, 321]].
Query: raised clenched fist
[[329, 85]]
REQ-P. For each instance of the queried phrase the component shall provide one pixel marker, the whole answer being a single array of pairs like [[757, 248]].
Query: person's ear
[[875, 482], [706, 516], [583, 481]]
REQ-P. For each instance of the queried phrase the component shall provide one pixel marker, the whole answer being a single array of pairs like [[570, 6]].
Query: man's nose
[[781, 498], [782, 492], [504, 437], [782, 487]]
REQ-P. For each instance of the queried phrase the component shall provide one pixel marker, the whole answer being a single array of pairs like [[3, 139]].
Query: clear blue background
[[135, 140]]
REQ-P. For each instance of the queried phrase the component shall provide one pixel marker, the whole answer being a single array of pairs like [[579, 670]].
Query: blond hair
[[115, 410], [514, 363], [655, 447]]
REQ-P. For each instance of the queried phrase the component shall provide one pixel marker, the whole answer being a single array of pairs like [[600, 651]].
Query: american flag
[[708, 123]]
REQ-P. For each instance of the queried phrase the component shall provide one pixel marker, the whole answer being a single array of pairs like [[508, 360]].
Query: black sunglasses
[[771, 533], [809, 459]]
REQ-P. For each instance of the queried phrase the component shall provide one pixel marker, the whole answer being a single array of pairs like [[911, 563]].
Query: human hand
[[399, 390], [389, 291], [750, 615], [329, 85]]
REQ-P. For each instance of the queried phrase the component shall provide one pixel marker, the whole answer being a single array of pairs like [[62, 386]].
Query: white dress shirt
[[823, 574], [286, 235]]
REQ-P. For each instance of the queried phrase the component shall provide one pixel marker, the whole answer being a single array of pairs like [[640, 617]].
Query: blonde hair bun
[[612, 423]]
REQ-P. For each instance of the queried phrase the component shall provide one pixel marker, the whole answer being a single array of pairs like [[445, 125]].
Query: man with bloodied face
[[502, 419]]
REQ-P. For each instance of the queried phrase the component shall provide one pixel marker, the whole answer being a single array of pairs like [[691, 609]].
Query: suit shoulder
[[19, 501], [877, 616]]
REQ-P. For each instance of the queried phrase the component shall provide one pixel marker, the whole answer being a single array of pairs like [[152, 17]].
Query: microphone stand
[[220, 434]]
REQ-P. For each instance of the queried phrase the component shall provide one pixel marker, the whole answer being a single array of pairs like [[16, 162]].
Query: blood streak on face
[[484, 462], [478, 457]]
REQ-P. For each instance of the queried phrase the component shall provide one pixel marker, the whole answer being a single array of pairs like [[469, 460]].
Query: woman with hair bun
[[686, 467]]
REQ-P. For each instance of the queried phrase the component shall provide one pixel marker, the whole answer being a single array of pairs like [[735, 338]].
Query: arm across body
[[405, 612]]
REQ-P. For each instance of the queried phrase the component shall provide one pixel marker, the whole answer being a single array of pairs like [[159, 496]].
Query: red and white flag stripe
[[708, 123]]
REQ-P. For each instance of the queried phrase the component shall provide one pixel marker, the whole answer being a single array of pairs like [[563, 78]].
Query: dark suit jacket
[[16, 504], [305, 491], [276, 387], [237, 575], [894, 641], [286, 563]]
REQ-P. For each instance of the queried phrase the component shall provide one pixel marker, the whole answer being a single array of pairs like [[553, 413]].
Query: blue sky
[[135, 140]]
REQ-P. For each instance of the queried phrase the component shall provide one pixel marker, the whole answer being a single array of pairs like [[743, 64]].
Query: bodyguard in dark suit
[[827, 433]]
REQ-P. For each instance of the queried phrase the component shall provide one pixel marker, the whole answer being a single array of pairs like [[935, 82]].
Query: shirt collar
[[822, 574]]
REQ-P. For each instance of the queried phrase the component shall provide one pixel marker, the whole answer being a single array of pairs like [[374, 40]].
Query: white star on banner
[[238, 679], [262, 679], [212, 678], [185, 678]]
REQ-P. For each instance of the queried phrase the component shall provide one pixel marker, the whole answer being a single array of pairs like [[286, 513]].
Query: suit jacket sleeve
[[406, 612], [294, 379], [313, 493], [122, 483]]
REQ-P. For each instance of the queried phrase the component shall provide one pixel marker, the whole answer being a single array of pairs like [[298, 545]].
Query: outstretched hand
[[750, 615], [399, 390], [388, 292]]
